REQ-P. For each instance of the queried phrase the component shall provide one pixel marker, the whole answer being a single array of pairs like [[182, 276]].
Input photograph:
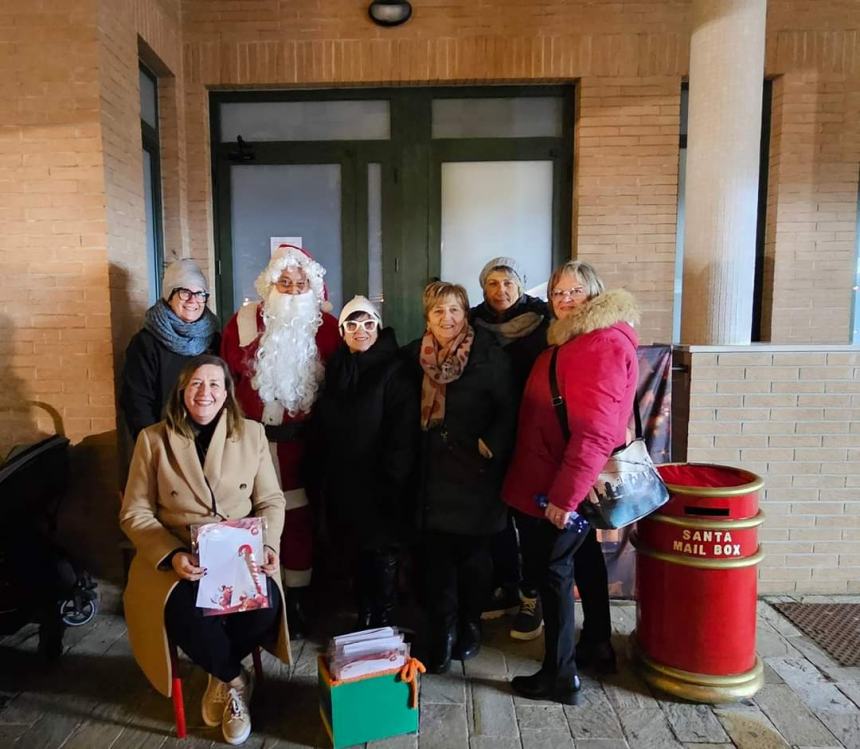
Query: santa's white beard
[[288, 367]]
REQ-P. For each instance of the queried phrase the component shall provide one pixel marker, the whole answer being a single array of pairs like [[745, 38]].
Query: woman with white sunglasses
[[366, 430]]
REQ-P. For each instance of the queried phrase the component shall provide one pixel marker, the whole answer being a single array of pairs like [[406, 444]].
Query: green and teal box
[[369, 708]]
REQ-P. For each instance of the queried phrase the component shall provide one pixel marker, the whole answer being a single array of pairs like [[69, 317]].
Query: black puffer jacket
[[150, 372], [458, 488], [522, 351], [366, 430]]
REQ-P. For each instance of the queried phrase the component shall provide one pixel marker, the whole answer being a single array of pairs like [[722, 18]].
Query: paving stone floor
[[96, 697]]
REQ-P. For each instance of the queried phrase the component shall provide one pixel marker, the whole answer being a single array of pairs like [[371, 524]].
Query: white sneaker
[[214, 702], [236, 722]]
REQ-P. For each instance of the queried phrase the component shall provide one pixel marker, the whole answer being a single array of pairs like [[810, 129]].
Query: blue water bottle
[[575, 520]]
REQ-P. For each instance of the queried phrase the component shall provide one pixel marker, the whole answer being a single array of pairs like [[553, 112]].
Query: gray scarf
[[180, 337], [517, 327]]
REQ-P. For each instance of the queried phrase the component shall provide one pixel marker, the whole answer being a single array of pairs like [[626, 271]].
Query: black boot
[[385, 588], [469, 641], [598, 656], [364, 620], [440, 650], [362, 584], [541, 686], [296, 621]]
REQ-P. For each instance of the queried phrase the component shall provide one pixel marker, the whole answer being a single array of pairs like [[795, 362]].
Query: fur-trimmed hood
[[603, 311]]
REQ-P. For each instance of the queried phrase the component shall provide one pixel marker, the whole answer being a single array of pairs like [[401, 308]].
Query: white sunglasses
[[353, 325]]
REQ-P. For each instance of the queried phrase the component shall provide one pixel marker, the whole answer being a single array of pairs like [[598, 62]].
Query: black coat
[[150, 372], [522, 351], [459, 488], [365, 434]]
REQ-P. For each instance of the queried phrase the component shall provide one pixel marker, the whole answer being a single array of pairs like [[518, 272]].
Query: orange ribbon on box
[[409, 673]]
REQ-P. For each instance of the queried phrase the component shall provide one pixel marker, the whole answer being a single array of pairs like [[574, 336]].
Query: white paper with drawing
[[231, 552]]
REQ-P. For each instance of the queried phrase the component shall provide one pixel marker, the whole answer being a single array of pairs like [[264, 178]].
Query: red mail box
[[696, 584]]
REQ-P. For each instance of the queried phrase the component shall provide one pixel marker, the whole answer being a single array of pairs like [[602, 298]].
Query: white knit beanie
[[358, 304], [182, 274]]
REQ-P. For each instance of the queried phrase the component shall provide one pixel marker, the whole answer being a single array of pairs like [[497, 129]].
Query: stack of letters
[[368, 652]]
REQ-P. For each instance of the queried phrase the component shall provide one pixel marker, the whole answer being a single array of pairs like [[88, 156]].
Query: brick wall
[[812, 207], [793, 417], [56, 374], [813, 53], [72, 254], [626, 188], [628, 60], [72, 286]]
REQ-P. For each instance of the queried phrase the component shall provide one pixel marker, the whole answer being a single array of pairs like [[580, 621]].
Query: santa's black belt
[[284, 432]]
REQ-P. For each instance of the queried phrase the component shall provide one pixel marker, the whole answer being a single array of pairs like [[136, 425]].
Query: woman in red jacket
[[597, 373]]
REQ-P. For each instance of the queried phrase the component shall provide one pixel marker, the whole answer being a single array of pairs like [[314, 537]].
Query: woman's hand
[[557, 516], [185, 565], [484, 450], [270, 564]]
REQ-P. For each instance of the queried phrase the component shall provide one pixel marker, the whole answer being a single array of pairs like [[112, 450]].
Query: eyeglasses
[[577, 293], [186, 294], [287, 286], [353, 325]]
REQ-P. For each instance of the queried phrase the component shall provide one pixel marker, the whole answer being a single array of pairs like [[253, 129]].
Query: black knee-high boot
[[385, 588], [363, 584]]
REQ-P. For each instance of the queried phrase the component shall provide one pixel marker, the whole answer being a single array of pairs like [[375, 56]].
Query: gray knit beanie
[[504, 262], [183, 274]]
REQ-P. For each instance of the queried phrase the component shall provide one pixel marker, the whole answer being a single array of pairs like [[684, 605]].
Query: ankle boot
[[441, 648], [543, 686], [469, 641], [385, 592], [597, 656], [296, 621]]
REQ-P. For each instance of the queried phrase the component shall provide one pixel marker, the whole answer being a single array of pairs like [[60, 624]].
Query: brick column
[[726, 73]]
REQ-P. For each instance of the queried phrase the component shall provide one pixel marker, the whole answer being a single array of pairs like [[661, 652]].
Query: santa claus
[[276, 350]]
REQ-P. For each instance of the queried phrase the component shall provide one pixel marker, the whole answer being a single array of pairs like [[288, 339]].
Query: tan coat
[[166, 492]]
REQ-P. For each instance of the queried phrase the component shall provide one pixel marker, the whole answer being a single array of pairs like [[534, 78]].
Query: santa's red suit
[[239, 343]]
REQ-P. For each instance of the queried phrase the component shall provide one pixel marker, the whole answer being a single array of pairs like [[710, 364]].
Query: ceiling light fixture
[[390, 12]]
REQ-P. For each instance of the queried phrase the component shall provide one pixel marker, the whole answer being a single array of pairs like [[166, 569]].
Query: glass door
[[499, 172], [306, 170], [391, 188], [271, 202]]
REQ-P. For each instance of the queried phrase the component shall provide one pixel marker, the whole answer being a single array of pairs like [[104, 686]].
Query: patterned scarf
[[441, 365], [180, 337]]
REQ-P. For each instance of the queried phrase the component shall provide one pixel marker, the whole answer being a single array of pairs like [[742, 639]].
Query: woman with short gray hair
[[519, 323]]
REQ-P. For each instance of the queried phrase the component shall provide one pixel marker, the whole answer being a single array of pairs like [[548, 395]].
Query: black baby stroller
[[38, 583]]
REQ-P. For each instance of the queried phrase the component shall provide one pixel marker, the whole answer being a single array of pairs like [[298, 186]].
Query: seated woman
[[597, 371], [468, 415], [202, 464], [366, 423], [176, 328]]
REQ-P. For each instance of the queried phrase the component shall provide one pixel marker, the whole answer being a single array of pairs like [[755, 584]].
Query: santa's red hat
[[286, 255]]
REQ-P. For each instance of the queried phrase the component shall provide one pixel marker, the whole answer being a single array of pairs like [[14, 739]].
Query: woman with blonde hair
[[204, 463], [467, 421], [592, 365]]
